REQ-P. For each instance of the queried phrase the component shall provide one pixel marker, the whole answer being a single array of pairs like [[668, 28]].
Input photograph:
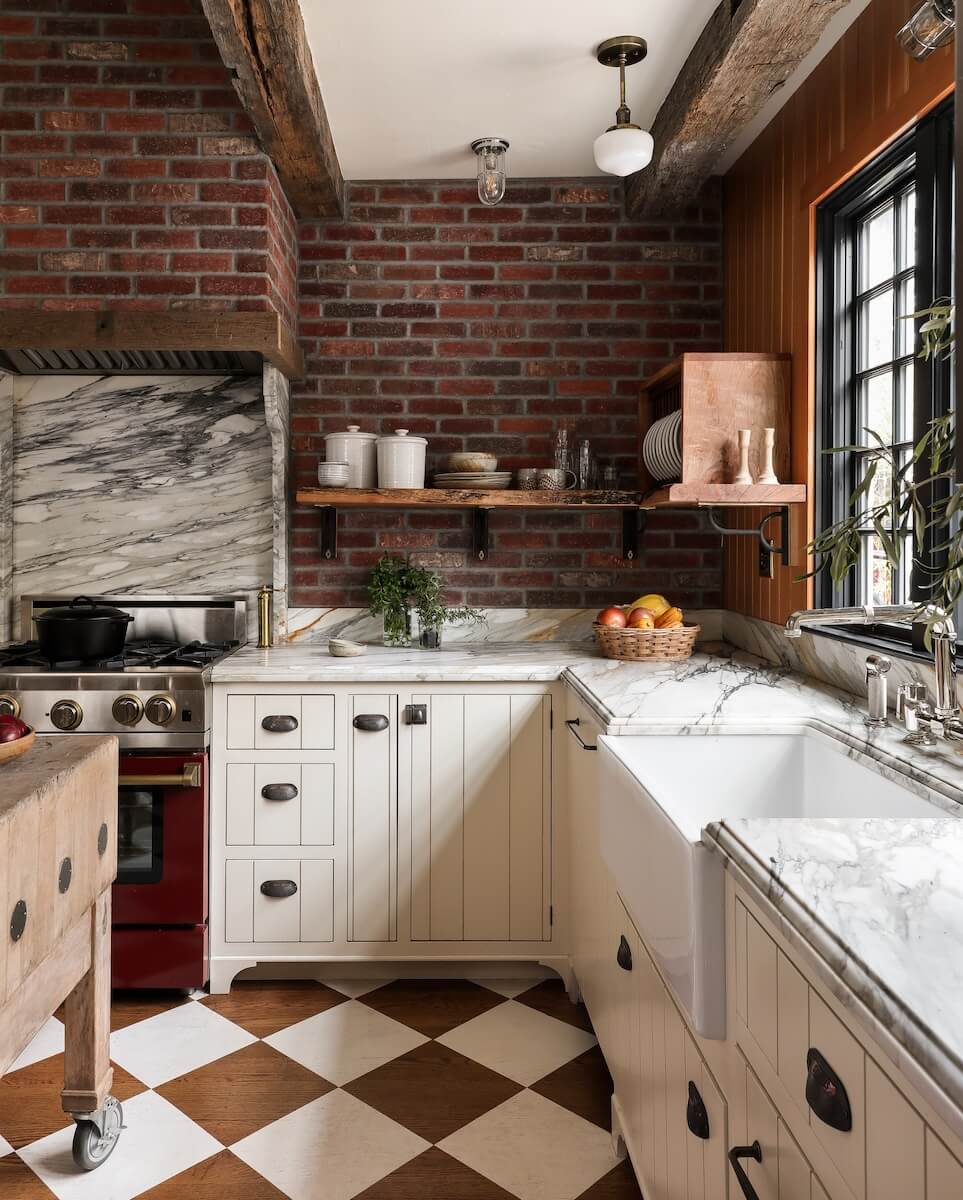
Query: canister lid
[[355, 432], [400, 434]]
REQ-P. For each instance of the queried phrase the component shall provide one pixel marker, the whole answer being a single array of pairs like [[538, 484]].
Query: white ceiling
[[407, 84]]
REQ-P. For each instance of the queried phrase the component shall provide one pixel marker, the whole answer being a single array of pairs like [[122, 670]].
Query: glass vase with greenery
[[388, 598], [426, 589], [915, 503]]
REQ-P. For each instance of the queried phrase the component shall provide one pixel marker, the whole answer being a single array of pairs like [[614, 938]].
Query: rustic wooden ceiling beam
[[748, 50], [264, 44]]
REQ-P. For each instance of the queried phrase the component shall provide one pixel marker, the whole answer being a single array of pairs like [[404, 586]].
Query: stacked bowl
[[333, 474]]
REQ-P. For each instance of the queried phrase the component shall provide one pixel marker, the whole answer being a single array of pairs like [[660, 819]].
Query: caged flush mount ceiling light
[[930, 27], [490, 153], [624, 148]]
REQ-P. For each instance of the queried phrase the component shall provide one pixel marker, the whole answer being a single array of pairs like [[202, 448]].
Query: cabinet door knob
[[371, 722], [279, 791], [279, 889], [279, 723], [735, 1154], [623, 956], [825, 1093]]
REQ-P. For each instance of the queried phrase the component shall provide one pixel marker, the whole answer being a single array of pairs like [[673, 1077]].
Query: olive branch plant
[[922, 499]]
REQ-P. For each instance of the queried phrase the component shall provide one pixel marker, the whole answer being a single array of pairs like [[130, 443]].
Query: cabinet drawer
[[305, 914], [280, 804], [301, 722]]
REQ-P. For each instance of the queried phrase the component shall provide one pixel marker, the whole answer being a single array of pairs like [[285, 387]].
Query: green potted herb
[[388, 598], [426, 589]]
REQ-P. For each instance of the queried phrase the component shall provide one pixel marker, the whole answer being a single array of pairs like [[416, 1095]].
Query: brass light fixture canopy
[[621, 51]]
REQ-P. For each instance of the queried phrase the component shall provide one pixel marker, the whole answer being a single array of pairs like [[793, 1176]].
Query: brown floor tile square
[[434, 1175], [223, 1177], [433, 1090], [263, 1007], [432, 1006], [583, 1086], [551, 998], [30, 1100], [619, 1184], [18, 1182], [127, 1008], [244, 1091]]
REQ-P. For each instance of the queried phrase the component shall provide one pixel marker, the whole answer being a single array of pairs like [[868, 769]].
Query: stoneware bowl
[[472, 460], [11, 750]]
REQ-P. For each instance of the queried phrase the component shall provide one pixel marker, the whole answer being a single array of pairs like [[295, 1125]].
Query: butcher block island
[[58, 859]]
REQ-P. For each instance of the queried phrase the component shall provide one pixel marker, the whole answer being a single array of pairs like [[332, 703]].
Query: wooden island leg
[[88, 1075]]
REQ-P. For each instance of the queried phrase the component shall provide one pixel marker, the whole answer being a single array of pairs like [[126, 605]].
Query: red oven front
[[160, 894]]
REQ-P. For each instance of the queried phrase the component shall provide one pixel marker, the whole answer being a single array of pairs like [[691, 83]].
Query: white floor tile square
[[159, 1141], [5, 1147], [345, 1042], [518, 1041], [534, 1149], [355, 987], [330, 1149], [175, 1042], [510, 988], [48, 1040]]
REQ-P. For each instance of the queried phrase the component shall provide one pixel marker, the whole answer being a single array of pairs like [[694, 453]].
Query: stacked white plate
[[484, 481], [662, 448]]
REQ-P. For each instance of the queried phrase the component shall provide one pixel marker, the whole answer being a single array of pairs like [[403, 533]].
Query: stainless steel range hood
[[135, 343]]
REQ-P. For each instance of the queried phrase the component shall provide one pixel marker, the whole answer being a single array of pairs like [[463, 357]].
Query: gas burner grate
[[147, 652]]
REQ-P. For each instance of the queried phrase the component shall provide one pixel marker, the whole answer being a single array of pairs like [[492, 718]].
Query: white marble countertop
[[878, 903]]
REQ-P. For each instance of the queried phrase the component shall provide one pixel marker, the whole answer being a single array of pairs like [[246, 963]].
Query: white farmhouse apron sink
[[658, 793]]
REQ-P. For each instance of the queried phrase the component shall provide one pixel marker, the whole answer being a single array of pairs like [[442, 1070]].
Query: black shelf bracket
[[634, 521], [767, 548], [328, 533], [479, 537]]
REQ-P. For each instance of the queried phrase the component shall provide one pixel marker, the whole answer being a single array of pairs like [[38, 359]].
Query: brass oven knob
[[160, 710], [127, 710], [66, 715], [9, 707]]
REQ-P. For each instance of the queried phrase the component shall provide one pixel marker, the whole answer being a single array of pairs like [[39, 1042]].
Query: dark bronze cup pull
[[696, 1116], [18, 920], [825, 1093], [623, 956], [66, 873], [279, 889], [279, 723], [755, 1153], [371, 722], [279, 791]]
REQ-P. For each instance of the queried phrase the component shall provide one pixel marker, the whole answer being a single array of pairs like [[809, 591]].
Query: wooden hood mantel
[[113, 341]]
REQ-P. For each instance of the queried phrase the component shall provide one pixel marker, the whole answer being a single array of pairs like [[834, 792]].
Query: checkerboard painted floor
[[410, 1090]]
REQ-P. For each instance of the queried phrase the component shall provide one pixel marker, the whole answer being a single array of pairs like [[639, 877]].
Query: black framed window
[[884, 249]]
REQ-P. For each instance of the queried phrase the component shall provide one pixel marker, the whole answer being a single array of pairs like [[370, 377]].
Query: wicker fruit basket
[[646, 645]]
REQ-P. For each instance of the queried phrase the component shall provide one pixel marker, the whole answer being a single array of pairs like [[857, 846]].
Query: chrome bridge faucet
[[923, 719]]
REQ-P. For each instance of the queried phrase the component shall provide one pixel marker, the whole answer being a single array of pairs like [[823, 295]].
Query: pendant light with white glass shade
[[624, 148]]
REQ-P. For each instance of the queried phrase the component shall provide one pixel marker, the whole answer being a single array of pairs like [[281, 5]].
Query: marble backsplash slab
[[153, 484]]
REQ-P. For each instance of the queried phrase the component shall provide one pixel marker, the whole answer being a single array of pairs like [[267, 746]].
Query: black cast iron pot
[[82, 629]]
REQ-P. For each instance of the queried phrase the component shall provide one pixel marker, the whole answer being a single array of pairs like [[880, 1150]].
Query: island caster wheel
[[96, 1136]]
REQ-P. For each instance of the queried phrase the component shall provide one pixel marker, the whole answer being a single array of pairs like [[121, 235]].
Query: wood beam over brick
[[748, 50], [264, 44]]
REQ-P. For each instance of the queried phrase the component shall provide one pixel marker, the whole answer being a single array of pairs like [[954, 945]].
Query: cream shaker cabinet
[[381, 822]]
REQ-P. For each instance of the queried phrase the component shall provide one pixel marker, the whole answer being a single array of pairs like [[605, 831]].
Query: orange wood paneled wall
[[863, 94]]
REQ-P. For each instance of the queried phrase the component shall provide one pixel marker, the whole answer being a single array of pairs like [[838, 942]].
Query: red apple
[[12, 728], [641, 618], [612, 616]]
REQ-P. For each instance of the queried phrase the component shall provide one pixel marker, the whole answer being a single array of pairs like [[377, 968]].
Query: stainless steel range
[[155, 697]]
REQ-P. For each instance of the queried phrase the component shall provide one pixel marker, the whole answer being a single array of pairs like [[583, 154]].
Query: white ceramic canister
[[359, 451], [401, 460]]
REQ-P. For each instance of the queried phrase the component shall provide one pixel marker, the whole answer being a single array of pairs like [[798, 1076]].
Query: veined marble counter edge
[[929, 1064]]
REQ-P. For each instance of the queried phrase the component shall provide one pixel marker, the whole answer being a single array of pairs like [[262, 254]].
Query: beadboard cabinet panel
[[373, 825]]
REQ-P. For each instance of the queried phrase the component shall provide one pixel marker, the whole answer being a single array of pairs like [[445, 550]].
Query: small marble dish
[[342, 648]]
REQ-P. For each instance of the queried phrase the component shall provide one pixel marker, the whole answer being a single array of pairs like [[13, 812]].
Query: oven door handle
[[190, 777]]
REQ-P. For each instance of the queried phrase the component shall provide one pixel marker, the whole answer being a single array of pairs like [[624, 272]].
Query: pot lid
[[355, 432], [82, 608], [402, 434]]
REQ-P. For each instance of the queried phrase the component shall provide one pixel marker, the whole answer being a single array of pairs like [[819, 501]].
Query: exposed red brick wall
[[130, 178], [484, 328]]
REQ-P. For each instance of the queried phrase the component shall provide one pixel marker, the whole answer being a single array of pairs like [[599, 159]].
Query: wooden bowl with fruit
[[649, 629], [16, 738]]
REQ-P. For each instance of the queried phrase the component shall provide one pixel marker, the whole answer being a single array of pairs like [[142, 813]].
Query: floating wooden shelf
[[463, 498], [725, 495]]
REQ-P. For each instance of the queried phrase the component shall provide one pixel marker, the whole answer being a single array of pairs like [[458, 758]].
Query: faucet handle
[[909, 695]]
